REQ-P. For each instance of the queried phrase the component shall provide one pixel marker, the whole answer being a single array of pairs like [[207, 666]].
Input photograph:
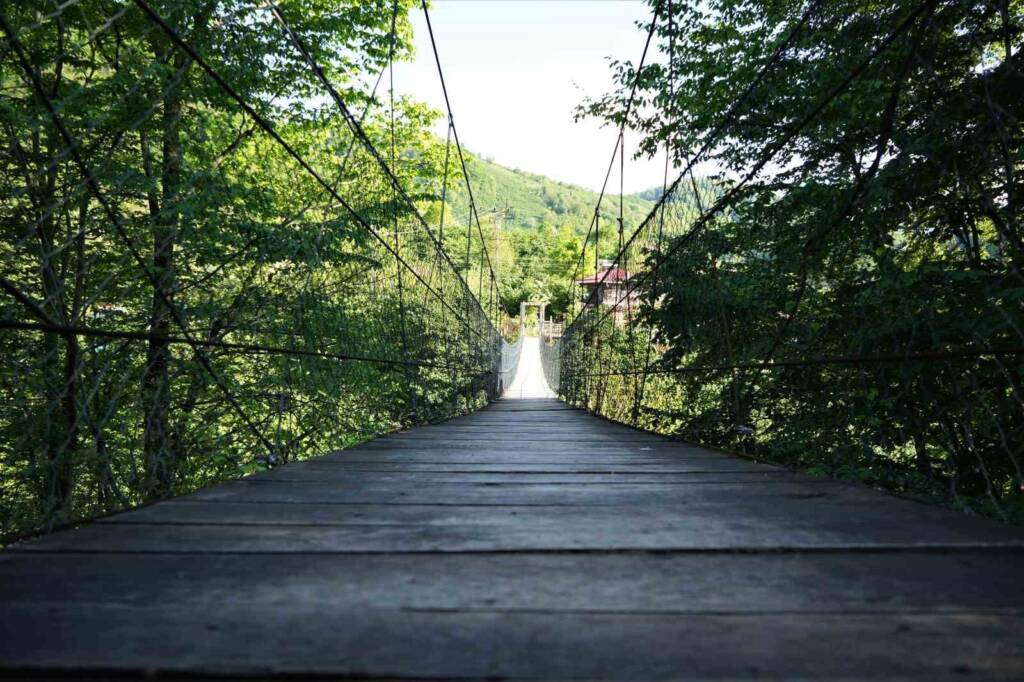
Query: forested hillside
[[535, 229], [519, 199]]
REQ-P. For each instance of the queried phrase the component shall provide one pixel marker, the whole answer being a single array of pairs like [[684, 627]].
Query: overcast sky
[[516, 69]]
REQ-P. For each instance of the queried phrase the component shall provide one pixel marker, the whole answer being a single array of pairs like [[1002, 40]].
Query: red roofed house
[[608, 287]]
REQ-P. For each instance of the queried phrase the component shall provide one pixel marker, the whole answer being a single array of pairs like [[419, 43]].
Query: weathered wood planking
[[528, 540]]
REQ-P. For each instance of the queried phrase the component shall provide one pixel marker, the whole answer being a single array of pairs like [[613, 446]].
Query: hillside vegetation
[[519, 199], [536, 228]]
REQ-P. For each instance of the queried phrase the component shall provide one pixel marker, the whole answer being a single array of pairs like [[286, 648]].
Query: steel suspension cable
[[455, 135], [360, 132], [122, 233], [719, 129], [269, 128], [838, 89], [594, 222]]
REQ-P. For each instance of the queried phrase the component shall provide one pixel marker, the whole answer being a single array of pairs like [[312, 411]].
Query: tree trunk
[[60, 381], [160, 457]]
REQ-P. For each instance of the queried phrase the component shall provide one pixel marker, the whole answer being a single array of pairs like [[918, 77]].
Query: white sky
[[516, 69]]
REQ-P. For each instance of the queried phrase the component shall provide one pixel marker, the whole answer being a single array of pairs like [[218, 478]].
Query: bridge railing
[[510, 354], [860, 320], [214, 251], [550, 360]]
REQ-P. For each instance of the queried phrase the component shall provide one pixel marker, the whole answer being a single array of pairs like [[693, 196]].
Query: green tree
[[160, 209], [871, 179]]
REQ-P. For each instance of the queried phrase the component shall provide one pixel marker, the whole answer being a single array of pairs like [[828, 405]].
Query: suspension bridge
[[261, 419]]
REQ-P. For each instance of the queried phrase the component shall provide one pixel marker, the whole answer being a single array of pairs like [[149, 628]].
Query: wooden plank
[[506, 536], [523, 434], [532, 447], [597, 583], [705, 525], [357, 479], [326, 466], [695, 523], [553, 418], [503, 471], [556, 418], [563, 428], [306, 639], [545, 409], [770, 490], [261, 527], [527, 540], [435, 457], [342, 475]]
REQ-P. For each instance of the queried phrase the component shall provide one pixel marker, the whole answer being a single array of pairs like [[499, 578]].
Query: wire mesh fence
[[220, 249], [833, 278], [510, 355]]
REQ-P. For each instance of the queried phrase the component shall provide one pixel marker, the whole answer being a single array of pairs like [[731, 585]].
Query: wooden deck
[[527, 540]]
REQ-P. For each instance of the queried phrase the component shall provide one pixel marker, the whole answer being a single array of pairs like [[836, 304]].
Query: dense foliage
[[187, 296], [852, 300], [537, 264]]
